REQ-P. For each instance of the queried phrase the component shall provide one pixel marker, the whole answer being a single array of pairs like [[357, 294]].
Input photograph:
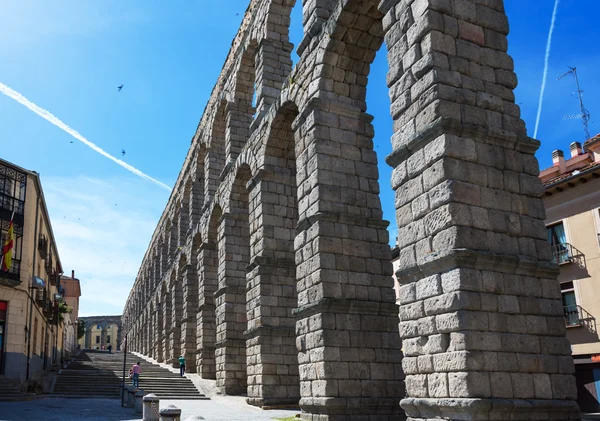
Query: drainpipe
[[31, 303]]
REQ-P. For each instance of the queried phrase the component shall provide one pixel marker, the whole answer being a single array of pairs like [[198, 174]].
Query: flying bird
[[71, 141], [120, 87], [122, 152]]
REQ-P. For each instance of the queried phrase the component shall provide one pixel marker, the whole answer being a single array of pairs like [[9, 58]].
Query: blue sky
[[70, 56]]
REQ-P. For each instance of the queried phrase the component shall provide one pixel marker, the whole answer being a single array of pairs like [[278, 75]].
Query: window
[[97, 339], [108, 339], [570, 304], [558, 242]]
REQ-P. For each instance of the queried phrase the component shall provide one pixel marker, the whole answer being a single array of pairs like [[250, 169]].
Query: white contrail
[[546, 60], [54, 120]]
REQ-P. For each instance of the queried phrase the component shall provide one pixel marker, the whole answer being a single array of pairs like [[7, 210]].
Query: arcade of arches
[[270, 266]]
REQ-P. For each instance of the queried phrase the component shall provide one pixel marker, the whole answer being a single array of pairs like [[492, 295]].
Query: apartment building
[[34, 320], [572, 202]]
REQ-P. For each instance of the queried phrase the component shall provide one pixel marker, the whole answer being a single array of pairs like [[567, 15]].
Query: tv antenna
[[585, 114]]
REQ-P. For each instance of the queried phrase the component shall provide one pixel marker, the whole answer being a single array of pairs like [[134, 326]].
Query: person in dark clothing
[[181, 365], [110, 349]]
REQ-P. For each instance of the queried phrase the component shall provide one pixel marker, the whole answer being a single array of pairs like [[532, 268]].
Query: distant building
[[72, 292], [572, 202], [101, 331], [33, 326]]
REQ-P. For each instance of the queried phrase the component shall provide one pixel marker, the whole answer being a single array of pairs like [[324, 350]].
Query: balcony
[[12, 193], [48, 264], [43, 246], [565, 253], [576, 316], [12, 278]]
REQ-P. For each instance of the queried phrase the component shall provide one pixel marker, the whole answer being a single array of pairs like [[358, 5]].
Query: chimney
[[558, 158], [72, 274], [576, 149]]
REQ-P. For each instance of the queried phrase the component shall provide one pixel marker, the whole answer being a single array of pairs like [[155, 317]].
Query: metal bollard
[[170, 413], [139, 403], [151, 405]]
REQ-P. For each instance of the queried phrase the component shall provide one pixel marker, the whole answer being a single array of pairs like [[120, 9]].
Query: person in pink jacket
[[135, 374]]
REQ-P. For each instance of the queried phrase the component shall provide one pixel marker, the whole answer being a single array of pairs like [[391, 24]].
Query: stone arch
[[187, 271], [176, 296], [214, 161], [208, 263], [165, 294], [197, 188], [240, 111], [151, 328], [273, 377], [185, 209], [234, 257], [340, 221], [273, 56]]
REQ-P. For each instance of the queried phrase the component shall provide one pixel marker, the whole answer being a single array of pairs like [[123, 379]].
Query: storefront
[[587, 373]]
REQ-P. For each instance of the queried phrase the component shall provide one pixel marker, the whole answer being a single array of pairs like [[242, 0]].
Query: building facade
[[72, 292], [31, 335], [572, 202], [270, 266], [100, 332], [72, 289]]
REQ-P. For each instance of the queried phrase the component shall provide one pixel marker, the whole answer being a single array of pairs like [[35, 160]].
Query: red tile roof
[[565, 176]]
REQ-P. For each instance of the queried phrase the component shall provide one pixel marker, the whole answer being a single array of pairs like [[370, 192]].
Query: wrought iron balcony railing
[[43, 246], [565, 253], [13, 276], [575, 316], [12, 204]]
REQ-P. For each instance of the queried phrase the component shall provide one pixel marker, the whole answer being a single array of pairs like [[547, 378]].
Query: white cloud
[[102, 229]]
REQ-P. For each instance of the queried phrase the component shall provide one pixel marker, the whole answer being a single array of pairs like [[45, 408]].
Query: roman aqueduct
[[270, 266]]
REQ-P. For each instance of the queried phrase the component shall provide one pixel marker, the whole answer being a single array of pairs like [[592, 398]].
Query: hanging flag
[[7, 249]]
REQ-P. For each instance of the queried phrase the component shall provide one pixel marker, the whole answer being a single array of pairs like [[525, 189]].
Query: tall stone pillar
[[188, 321], [273, 65], [158, 330], [239, 118], [167, 314], [208, 261], [175, 332], [347, 337], [272, 358], [481, 315], [230, 301]]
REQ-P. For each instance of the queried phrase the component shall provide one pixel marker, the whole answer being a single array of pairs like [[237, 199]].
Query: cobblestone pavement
[[60, 409]]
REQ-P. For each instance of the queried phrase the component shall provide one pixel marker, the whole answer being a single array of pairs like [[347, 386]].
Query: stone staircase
[[99, 374], [9, 389]]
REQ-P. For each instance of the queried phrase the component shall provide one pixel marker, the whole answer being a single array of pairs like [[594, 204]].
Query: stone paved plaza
[[270, 268], [57, 409]]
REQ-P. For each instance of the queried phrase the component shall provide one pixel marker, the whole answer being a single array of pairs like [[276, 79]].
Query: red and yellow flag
[[7, 249]]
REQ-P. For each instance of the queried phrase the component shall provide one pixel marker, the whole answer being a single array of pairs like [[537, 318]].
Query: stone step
[[100, 375]]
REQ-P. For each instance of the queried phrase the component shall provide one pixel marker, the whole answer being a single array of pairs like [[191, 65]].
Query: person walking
[[181, 365], [110, 349], [135, 374]]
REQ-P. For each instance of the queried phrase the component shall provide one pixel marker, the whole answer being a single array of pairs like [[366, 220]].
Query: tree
[[80, 328]]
